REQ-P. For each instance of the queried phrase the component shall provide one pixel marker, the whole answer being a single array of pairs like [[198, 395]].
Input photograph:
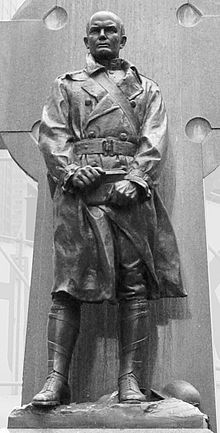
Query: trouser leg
[[63, 329]]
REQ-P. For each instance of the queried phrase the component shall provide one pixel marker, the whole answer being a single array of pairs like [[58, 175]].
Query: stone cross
[[177, 47]]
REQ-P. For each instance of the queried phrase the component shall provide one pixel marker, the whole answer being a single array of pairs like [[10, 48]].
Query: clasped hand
[[86, 176], [123, 192]]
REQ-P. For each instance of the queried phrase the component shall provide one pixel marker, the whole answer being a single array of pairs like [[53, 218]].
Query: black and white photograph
[[109, 216]]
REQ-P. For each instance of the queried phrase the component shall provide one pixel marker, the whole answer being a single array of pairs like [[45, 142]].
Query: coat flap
[[104, 106]]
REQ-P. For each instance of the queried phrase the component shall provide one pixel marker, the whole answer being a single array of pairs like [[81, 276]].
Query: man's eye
[[92, 31], [112, 30]]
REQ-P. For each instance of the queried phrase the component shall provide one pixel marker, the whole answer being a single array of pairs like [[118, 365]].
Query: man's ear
[[86, 42], [123, 41]]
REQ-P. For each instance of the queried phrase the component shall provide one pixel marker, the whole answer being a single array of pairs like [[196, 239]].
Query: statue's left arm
[[146, 166]]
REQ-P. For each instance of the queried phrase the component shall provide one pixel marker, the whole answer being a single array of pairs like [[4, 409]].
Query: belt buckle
[[108, 147]]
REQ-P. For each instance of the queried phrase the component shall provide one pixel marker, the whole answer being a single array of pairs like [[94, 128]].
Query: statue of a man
[[104, 138]]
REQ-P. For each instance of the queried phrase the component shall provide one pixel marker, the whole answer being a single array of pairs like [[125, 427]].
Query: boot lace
[[129, 382], [51, 380]]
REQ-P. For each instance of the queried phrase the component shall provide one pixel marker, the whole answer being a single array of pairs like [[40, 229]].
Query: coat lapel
[[93, 89], [130, 85], [104, 102]]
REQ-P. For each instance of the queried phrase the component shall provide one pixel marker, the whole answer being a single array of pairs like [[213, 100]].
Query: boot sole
[[50, 403], [46, 403], [132, 401]]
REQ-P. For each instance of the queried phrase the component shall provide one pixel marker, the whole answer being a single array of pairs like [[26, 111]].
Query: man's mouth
[[103, 45]]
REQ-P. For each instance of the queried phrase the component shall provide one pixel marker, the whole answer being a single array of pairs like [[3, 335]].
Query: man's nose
[[102, 34]]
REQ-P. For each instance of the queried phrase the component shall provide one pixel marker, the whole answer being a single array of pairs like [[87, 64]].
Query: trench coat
[[84, 248]]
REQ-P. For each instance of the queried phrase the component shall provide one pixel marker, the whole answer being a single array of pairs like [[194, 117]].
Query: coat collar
[[131, 84], [92, 66]]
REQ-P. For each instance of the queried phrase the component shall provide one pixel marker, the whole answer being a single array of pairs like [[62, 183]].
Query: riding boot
[[133, 319], [63, 329]]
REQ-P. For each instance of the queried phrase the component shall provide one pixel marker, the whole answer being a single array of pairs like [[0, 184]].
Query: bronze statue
[[104, 138]]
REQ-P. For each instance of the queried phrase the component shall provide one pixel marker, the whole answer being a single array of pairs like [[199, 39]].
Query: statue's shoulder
[[149, 83], [80, 75]]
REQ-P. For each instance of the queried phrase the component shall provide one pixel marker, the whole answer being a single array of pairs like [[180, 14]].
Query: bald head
[[105, 36], [105, 15]]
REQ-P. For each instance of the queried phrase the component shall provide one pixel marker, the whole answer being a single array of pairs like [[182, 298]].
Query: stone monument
[[175, 319]]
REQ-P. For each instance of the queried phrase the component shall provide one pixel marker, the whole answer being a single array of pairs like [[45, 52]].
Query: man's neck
[[111, 64]]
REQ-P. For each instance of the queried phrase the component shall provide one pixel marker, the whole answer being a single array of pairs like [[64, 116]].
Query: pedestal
[[107, 413]]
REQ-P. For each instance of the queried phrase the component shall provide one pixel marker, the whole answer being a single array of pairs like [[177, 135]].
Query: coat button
[[91, 134], [133, 104], [123, 136], [88, 102]]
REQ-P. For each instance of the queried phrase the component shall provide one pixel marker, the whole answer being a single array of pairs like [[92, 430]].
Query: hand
[[86, 176], [124, 193]]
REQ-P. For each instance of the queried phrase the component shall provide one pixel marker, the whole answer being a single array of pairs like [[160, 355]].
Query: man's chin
[[104, 54], [105, 51]]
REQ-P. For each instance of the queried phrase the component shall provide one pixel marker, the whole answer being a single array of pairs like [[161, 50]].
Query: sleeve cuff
[[145, 187], [68, 172]]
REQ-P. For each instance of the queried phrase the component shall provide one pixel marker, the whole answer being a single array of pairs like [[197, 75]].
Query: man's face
[[104, 38]]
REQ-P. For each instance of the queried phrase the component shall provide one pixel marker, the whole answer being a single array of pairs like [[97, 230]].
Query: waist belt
[[105, 146]]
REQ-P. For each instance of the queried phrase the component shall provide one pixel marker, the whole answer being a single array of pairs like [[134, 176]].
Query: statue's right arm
[[56, 141], [56, 136]]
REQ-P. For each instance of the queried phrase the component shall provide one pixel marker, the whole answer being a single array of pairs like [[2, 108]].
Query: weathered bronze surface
[[104, 139]]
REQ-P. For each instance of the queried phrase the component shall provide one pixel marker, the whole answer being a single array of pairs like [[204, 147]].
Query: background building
[[18, 197], [8, 8]]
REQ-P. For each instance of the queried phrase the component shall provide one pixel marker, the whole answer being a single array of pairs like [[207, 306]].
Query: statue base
[[108, 413]]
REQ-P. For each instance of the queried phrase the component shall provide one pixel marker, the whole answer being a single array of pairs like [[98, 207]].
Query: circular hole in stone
[[56, 18], [188, 15], [35, 130], [197, 129]]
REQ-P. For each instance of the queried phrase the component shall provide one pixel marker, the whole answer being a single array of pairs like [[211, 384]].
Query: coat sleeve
[[56, 136], [147, 164]]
